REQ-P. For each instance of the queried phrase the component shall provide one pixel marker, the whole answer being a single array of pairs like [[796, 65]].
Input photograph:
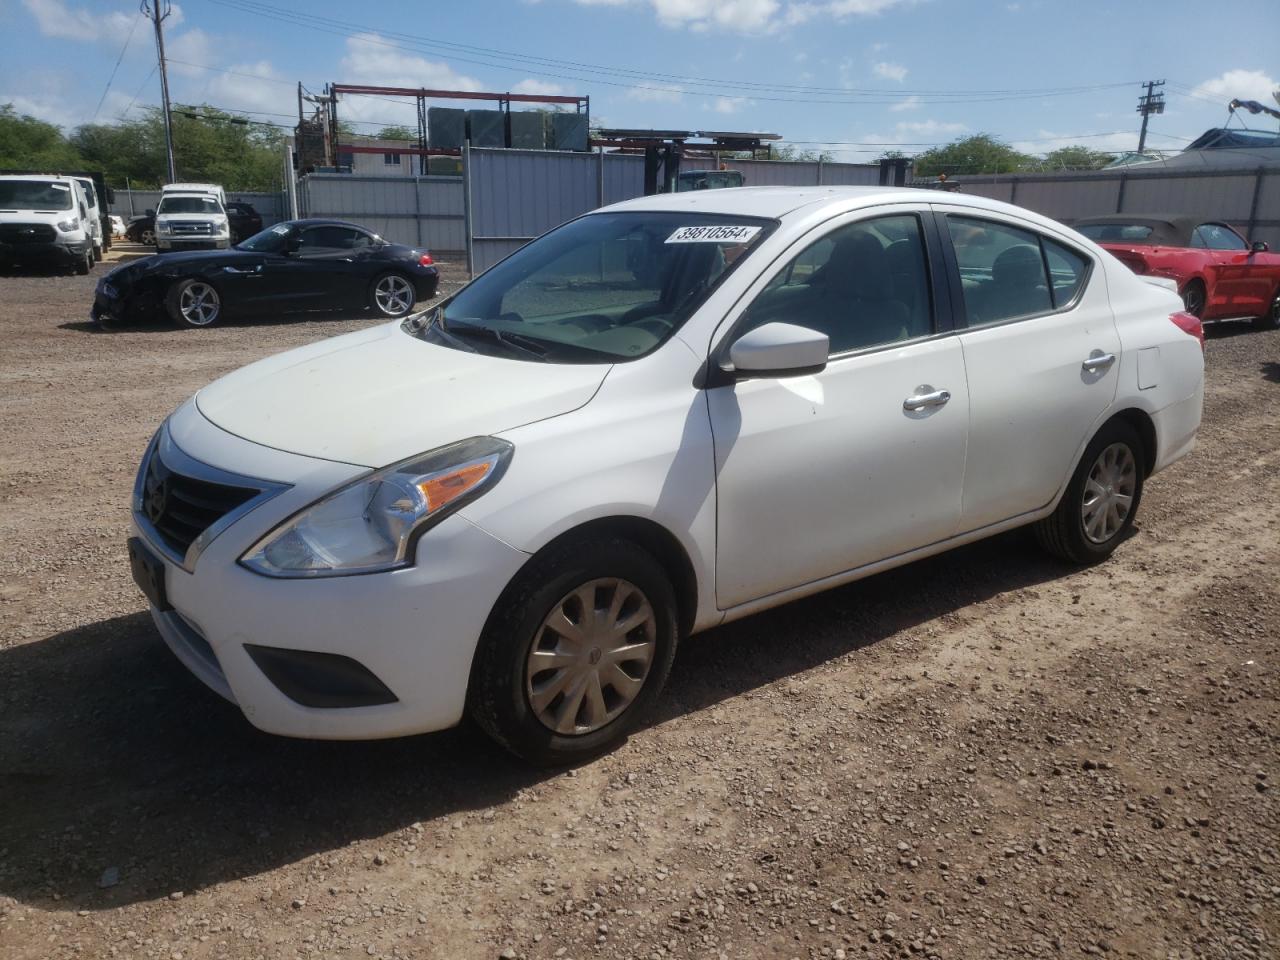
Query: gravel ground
[[985, 754]]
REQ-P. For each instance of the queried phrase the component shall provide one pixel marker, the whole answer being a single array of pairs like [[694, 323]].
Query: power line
[[110, 79], [828, 95]]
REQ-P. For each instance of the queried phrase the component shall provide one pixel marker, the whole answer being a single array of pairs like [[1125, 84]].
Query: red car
[[1220, 275]]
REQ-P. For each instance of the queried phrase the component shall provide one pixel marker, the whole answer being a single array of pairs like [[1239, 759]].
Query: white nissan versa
[[661, 416]]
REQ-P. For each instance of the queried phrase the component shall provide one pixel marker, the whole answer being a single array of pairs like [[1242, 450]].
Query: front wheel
[[576, 652], [392, 295], [1271, 319], [193, 303], [1101, 501], [85, 263], [148, 238]]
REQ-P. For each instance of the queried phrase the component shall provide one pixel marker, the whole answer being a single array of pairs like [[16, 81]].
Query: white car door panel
[[820, 474]]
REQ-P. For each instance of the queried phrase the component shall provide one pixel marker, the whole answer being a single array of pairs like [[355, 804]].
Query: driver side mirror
[[1259, 246], [778, 350], [149, 212], [292, 244]]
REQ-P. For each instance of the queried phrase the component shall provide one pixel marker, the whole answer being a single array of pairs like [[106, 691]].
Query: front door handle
[[1098, 362], [247, 273], [919, 401]]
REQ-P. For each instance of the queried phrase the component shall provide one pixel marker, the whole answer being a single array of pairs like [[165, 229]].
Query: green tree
[[29, 143], [789, 151], [980, 153], [397, 133], [1076, 158]]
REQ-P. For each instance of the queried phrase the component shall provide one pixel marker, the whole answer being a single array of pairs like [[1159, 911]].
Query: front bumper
[[54, 251], [165, 243], [414, 629]]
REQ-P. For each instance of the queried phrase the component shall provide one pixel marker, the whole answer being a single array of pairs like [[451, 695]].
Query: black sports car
[[293, 266]]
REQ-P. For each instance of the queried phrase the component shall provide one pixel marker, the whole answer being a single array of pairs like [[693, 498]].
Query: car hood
[[379, 396]]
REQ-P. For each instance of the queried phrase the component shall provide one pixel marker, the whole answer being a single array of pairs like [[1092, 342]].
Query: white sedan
[[662, 416]]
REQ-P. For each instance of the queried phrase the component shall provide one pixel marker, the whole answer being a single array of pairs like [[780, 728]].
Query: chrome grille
[[180, 508], [191, 228]]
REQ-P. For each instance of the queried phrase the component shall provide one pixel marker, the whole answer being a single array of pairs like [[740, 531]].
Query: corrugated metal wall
[[1248, 199], [418, 211], [791, 173], [130, 203], [517, 195]]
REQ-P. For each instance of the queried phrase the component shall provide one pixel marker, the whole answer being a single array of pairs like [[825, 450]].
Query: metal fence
[[418, 211], [272, 206], [805, 173], [1247, 198]]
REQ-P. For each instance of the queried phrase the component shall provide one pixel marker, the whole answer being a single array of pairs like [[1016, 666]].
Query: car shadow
[[113, 757], [1271, 371], [1226, 329], [163, 325]]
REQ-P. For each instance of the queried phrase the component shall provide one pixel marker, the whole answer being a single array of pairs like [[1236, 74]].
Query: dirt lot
[[981, 755]]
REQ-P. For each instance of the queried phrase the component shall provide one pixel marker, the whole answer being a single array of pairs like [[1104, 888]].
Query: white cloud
[[370, 58], [1242, 84], [657, 93], [58, 19], [749, 16], [889, 71], [51, 109], [915, 132], [250, 87], [911, 103], [539, 87], [1047, 140], [729, 104], [190, 47]]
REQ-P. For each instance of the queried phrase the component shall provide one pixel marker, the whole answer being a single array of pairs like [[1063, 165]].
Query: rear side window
[[1115, 232], [1007, 272]]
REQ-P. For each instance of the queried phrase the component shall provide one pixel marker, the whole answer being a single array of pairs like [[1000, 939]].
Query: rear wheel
[[1193, 298], [1271, 319], [1101, 500], [576, 652], [392, 295], [193, 303]]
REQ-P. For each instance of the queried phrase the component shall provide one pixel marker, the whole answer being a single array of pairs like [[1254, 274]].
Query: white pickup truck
[[192, 216]]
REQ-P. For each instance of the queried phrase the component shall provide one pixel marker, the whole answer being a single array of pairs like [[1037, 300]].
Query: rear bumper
[[1176, 426]]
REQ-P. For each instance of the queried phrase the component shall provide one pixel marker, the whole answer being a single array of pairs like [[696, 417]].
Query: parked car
[[294, 266], [1220, 275], [659, 417], [45, 219], [245, 221], [192, 216], [117, 226], [142, 228], [97, 196]]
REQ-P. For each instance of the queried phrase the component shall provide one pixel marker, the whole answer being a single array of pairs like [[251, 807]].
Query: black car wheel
[[148, 238], [392, 295], [193, 303], [85, 263], [1271, 319], [1193, 298]]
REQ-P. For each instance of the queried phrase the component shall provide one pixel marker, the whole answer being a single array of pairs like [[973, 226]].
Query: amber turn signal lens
[[442, 489]]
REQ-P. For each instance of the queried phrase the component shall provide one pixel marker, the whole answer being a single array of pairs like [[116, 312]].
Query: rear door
[[1042, 355]]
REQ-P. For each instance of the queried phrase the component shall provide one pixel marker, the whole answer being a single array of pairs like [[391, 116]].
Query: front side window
[[864, 285], [1214, 236], [603, 288]]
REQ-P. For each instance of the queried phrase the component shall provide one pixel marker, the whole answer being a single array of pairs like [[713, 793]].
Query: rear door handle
[[921, 400], [1099, 361]]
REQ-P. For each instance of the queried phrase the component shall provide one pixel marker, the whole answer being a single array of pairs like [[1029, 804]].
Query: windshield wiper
[[517, 342]]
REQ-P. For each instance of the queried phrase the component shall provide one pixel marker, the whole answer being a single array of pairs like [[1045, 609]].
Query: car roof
[[325, 222], [1169, 229], [778, 202]]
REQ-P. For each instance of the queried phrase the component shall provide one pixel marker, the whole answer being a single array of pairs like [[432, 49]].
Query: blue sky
[[849, 75]]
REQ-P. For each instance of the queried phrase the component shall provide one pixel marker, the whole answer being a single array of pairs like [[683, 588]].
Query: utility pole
[[1151, 103], [157, 11]]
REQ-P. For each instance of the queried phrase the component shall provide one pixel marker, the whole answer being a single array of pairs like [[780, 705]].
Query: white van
[[45, 219], [192, 216], [96, 205]]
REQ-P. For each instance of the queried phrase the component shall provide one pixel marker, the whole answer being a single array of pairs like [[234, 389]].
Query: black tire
[[177, 304], [1271, 319], [148, 238], [392, 295], [1063, 532], [85, 263], [1194, 299], [498, 695]]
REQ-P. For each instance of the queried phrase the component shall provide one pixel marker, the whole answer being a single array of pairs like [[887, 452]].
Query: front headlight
[[162, 227], [372, 524], [68, 226]]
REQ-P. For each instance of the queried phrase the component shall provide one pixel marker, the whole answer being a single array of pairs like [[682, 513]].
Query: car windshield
[[34, 195], [270, 240], [1115, 232], [184, 204], [603, 288]]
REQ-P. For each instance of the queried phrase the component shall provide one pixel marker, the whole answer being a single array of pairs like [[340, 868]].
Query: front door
[[817, 475], [1043, 359]]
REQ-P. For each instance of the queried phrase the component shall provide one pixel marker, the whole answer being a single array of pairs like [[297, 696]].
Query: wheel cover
[[590, 658], [199, 304], [148, 237], [1108, 493], [393, 295]]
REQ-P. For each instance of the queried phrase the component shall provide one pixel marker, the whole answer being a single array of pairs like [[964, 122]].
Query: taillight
[[1190, 324], [425, 260]]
